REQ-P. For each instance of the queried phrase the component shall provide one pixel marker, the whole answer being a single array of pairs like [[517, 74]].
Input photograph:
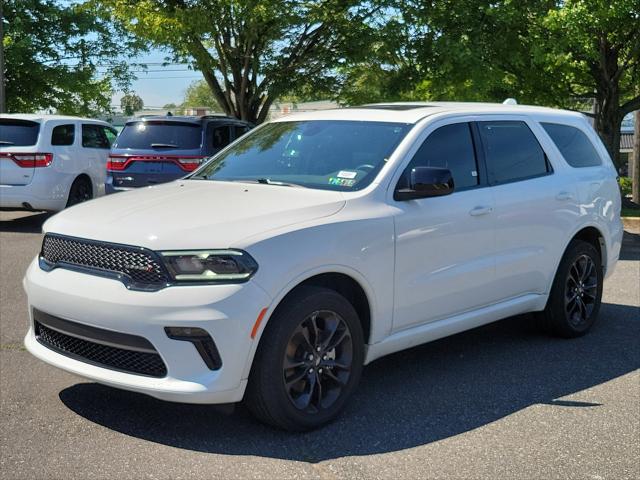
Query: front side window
[[449, 147], [324, 154], [63, 134], [93, 136], [512, 152], [573, 144], [18, 133]]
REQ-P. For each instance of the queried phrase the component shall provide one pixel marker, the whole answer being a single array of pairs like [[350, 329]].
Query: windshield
[[147, 135], [19, 133], [324, 154]]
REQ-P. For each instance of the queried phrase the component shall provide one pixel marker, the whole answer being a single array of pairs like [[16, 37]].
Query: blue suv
[[159, 149]]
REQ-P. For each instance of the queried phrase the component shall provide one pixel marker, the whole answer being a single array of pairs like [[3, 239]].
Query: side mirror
[[426, 182]]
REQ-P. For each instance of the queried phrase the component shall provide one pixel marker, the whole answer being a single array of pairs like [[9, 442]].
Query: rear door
[[534, 205], [17, 136]]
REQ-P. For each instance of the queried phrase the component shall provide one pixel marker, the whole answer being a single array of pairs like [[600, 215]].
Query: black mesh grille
[[141, 265], [130, 361]]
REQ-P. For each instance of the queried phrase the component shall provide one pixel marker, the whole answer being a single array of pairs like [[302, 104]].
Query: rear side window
[[512, 152], [160, 134], [575, 146], [63, 134], [221, 137], [93, 136], [449, 147], [111, 134], [240, 130], [19, 133]]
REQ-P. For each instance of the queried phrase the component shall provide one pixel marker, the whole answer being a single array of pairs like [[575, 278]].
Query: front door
[[445, 246]]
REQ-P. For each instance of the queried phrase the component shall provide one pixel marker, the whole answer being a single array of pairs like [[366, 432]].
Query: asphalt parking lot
[[501, 401]]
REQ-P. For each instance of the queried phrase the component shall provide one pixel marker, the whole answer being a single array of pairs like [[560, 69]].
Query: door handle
[[564, 196], [480, 211]]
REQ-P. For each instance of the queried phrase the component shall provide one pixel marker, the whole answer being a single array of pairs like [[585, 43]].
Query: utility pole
[[3, 97], [635, 160]]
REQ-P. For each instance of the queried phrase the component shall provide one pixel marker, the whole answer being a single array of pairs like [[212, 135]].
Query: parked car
[[49, 162], [322, 241], [159, 149]]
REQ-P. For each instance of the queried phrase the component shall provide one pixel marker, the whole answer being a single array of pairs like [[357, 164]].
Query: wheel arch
[[348, 284], [591, 234]]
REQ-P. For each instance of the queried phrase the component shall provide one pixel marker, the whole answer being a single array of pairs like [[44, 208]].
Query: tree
[[198, 94], [252, 51], [538, 51], [131, 103], [63, 57], [635, 164]]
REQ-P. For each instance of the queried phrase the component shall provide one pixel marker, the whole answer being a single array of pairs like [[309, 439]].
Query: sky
[[161, 84]]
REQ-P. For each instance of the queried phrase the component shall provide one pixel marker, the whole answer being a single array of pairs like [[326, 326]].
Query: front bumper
[[226, 312]]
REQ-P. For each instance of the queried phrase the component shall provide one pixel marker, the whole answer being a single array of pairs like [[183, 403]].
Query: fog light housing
[[203, 342]]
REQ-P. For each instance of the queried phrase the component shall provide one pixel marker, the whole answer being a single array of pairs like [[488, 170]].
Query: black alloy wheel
[[317, 362]]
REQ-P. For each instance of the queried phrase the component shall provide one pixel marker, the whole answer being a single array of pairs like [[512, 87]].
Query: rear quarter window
[[574, 145], [19, 133], [63, 134]]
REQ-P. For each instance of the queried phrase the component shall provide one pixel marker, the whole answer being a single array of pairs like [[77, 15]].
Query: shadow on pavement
[[408, 399], [25, 224]]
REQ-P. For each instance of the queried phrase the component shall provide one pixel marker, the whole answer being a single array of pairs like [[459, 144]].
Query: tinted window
[[574, 145], [63, 135], [93, 136], [20, 133], [449, 147], [160, 134], [323, 154], [221, 137], [240, 130], [512, 151], [111, 134]]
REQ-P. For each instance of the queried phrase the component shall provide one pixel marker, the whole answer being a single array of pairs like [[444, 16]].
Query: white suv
[[322, 241], [49, 162]]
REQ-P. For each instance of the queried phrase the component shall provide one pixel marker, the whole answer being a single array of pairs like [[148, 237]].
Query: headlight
[[209, 265]]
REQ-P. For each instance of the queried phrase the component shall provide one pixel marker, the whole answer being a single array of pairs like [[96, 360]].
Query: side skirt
[[429, 332]]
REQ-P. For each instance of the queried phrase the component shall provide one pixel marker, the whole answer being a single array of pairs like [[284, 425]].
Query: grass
[[630, 212]]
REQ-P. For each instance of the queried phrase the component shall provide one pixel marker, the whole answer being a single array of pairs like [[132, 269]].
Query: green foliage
[[131, 103], [625, 186], [198, 94], [250, 52], [52, 53]]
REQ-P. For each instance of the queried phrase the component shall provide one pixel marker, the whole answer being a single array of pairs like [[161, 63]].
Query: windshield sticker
[[347, 174], [342, 182]]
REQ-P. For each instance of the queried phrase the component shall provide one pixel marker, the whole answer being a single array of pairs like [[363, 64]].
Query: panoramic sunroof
[[391, 106]]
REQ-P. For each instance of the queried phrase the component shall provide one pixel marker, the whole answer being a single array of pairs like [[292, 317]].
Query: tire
[[319, 384], [576, 294], [80, 191]]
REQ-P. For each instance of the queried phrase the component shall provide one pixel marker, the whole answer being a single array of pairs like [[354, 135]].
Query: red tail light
[[29, 160], [188, 163]]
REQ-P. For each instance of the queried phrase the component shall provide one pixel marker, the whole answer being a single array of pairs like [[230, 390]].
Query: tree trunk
[[607, 124], [635, 161]]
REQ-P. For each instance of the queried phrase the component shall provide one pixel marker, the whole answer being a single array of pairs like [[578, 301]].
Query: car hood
[[194, 214]]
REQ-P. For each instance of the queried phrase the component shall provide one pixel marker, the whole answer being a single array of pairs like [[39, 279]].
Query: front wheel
[[309, 361], [576, 294]]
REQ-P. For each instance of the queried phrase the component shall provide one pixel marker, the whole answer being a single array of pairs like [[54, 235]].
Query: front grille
[[129, 361], [138, 264]]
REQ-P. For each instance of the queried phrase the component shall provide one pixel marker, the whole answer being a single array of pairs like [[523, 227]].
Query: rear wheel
[[80, 191], [309, 361], [576, 294]]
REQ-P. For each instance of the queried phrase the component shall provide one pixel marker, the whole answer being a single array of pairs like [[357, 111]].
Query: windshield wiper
[[5, 142], [268, 181], [163, 145]]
